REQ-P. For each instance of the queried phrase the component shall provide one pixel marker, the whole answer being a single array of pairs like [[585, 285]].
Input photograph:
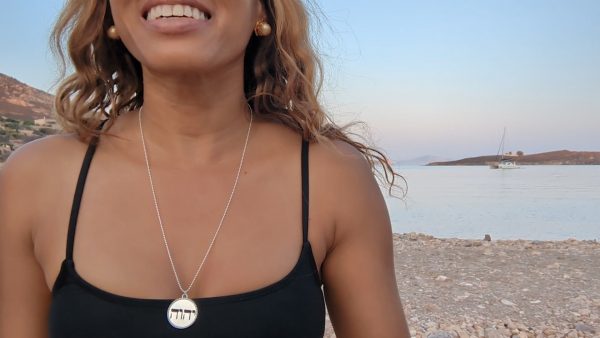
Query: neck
[[194, 119]]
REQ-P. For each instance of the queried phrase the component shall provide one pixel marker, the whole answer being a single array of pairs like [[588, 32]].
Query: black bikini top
[[291, 307]]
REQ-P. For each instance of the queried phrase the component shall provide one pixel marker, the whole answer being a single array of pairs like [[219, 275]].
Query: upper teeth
[[166, 11]]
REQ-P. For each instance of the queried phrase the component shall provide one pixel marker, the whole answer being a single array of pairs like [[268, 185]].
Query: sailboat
[[503, 163]]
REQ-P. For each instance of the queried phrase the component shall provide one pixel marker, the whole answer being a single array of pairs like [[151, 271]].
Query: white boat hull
[[505, 165], [510, 165]]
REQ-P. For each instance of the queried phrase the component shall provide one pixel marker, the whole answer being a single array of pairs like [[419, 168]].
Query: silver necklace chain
[[162, 229]]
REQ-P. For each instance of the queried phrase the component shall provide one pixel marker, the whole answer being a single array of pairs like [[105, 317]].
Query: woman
[[194, 220]]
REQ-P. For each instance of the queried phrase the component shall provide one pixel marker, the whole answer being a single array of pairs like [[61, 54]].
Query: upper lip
[[193, 3]]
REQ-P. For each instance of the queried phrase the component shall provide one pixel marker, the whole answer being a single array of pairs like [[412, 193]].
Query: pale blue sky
[[429, 77]]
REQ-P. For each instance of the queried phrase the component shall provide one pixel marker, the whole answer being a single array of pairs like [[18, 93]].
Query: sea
[[541, 202]]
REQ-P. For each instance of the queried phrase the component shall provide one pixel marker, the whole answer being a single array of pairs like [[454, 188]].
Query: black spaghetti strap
[[79, 192], [304, 191]]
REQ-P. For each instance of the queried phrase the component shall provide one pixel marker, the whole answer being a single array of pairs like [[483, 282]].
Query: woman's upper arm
[[24, 296], [358, 272]]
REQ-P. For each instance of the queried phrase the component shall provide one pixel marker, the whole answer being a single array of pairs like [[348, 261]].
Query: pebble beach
[[497, 288]]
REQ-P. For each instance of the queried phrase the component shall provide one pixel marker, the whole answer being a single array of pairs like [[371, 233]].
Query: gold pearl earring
[[262, 28], [112, 33]]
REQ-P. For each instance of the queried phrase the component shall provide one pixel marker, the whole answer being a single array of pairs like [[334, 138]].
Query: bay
[[543, 202]]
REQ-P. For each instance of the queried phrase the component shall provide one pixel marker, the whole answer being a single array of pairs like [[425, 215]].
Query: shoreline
[[499, 288], [496, 238]]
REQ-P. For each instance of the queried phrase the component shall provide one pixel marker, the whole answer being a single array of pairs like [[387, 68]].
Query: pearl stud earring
[[262, 28], [112, 33]]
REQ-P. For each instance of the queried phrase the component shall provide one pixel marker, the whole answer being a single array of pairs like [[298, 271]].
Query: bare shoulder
[[341, 162], [36, 157], [26, 171], [347, 178], [44, 148], [338, 152]]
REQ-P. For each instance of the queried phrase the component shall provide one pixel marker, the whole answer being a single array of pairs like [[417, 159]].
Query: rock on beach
[[456, 288]]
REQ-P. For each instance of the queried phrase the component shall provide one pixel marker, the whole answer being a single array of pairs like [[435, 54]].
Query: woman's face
[[184, 36]]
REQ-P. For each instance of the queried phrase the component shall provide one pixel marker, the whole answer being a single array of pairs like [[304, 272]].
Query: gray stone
[[504, 332], [432, 307], [441, 278], [572, 334], [585, 328], [491, 332], [440, 334], [507, 302]]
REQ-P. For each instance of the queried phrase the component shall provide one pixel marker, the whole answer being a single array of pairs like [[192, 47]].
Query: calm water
[[535, 202]]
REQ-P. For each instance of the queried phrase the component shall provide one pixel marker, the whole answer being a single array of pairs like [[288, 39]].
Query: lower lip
[[175, 25]]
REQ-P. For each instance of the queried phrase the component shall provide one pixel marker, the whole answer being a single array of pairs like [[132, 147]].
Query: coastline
[[498, 288]]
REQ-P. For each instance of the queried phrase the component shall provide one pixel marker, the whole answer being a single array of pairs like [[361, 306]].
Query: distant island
[[559, 157], [421, 160]]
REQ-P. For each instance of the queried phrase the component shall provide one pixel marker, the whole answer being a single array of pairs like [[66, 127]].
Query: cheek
[[126, 18], [235, 34], [225, 40], [237, 17], [121, 10]]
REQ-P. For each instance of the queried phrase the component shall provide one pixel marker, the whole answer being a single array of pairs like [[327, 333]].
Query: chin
[[179, 65], [187, 58], [185, 62]]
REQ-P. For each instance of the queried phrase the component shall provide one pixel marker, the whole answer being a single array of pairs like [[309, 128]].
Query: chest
[[119, 244]]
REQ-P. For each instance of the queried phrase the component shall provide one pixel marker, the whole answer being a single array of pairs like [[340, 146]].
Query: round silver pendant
[[182, 313]]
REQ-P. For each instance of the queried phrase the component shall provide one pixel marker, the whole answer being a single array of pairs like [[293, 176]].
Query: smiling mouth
[[162, 12]]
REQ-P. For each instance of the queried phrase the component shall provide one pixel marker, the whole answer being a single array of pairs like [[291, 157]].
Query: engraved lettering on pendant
[[182, 313]]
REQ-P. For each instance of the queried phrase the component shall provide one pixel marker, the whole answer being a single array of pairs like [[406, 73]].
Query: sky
[[438, 78]]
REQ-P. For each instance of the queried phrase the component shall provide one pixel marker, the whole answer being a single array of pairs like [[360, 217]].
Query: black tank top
[[291, 307]]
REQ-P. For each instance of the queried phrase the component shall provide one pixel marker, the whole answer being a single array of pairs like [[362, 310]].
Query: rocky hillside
[[553, 157], [21, 102], [25, 115]]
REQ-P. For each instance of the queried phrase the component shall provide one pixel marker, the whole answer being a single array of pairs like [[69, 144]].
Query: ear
[[260, 9]]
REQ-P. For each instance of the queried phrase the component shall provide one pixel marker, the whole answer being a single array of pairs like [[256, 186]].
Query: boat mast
[[501, 147]]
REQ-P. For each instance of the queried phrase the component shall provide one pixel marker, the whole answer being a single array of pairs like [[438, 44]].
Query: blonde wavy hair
[[282, 77]]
